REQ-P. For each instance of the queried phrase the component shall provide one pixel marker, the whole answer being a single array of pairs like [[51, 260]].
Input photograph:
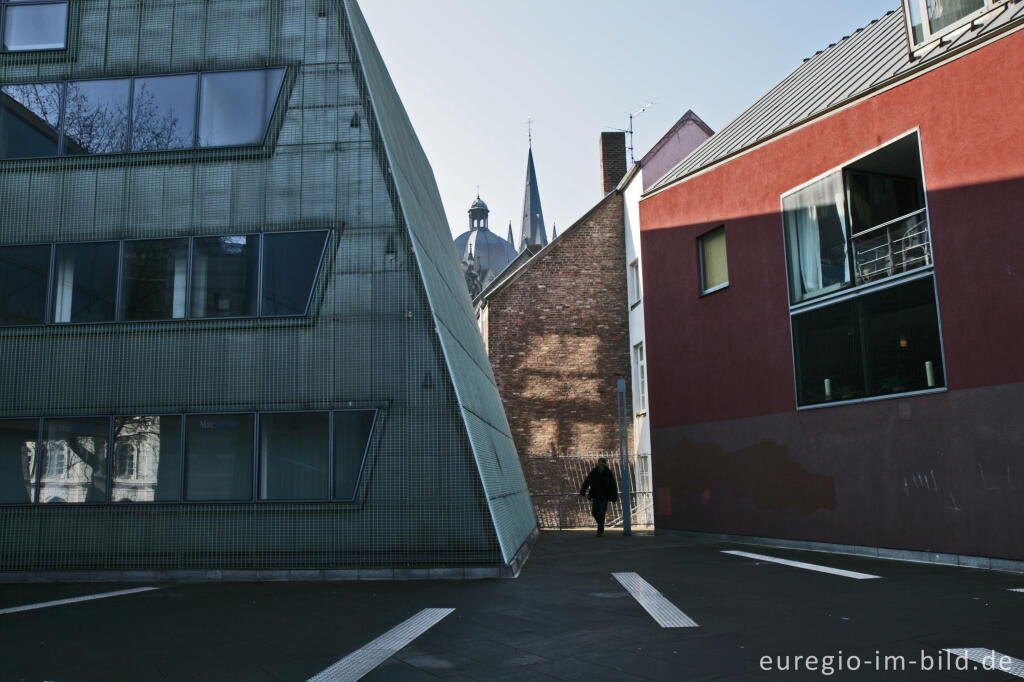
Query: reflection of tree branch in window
[[38, 106], [91, 126], [150, 129]]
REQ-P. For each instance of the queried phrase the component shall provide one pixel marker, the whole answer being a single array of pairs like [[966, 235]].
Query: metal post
[[624, 460]]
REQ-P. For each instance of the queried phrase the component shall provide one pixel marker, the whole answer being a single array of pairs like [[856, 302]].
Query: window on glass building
[[31, 25]]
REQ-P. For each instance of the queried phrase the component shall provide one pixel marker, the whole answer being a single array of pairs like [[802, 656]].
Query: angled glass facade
[[225, 339]]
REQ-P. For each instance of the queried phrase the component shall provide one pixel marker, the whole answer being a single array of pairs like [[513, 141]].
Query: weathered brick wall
[[558, 338]]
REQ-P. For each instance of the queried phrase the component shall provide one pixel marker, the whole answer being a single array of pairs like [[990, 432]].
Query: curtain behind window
[[816, 238]]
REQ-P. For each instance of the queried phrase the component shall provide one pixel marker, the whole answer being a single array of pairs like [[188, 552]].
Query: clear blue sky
[[470, 73]]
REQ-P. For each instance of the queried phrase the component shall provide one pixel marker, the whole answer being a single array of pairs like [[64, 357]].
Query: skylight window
[[929, 20]]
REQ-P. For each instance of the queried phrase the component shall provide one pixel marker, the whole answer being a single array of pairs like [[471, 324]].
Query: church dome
[[478, 204], [486, 252]]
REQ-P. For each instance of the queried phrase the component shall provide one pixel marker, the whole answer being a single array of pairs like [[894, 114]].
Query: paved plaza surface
[[567, 617]]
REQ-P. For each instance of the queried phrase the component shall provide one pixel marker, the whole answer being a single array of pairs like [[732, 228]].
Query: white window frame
[[929, 35], [641, 377], [636, 285]]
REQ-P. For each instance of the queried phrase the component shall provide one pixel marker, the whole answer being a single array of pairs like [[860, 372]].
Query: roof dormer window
[[930, 20]]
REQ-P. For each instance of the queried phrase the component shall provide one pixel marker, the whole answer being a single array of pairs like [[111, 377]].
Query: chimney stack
[[613, 160]]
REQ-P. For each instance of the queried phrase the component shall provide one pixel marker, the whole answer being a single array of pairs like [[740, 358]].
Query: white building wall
[[641, 424]]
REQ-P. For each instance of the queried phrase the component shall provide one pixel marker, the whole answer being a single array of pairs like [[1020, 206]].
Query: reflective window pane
[[290, 266], [876, 198], [816, 250], [826, 345], [916, 25], [36, 27], [85, 282], [352, 430], [96, 117], [17, 459], [29, 115], [901, 339], [224, 276], [943, 13], [218, 457], [24, 273], [74, 460], [235, 106], [163, 113], [147, 454], [882, 343], [294, 451], [153, 278]]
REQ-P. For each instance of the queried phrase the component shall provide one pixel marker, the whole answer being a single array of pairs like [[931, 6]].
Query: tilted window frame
[[857, 291], [119, 282], [191, 153], [932, 36], [705, 290], [359, 491]]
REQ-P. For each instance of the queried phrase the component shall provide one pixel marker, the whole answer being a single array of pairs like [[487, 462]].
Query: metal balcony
[[896, 246]]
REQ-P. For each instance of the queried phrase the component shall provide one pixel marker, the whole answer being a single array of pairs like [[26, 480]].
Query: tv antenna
[[629, 130]]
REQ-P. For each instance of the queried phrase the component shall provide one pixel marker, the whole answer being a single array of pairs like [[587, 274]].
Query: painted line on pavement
[[1017, 589], [654, 602], [992, 660], [74, 600], [800, 564], [362, 661]]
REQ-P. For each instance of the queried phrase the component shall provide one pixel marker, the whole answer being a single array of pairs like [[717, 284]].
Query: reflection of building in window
[[73, 468], [125, 459], [136, 458]]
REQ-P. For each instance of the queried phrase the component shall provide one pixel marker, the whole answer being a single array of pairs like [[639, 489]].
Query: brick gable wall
[[558, 338]]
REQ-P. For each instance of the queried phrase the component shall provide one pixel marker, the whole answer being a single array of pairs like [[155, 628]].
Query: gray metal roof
[[860, 63]]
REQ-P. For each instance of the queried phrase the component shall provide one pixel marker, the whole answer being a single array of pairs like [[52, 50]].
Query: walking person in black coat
[[601, 484]]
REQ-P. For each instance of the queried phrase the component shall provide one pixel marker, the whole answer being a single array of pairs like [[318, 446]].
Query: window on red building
[[862, 295]]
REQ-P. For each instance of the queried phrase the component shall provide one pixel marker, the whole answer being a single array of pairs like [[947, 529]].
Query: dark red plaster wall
[[729, 354]]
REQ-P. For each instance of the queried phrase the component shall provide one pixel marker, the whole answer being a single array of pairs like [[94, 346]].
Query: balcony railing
[[893, 247]]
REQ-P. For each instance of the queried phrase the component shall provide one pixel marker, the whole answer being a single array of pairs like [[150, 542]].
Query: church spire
[[533, 217], [511, 239]]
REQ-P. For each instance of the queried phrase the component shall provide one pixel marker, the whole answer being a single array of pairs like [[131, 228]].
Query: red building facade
[[883, 410]]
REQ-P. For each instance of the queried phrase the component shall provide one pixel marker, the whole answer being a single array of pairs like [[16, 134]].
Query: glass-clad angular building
[[233, 330]]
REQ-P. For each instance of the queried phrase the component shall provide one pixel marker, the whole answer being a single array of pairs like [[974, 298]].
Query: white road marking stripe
[[1017, 589], [992, 660], [800, 564], [360, 662], [654, 602], [73, 600]]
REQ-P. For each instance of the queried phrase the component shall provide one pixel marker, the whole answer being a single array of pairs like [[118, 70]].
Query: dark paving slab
[[564, 618]]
